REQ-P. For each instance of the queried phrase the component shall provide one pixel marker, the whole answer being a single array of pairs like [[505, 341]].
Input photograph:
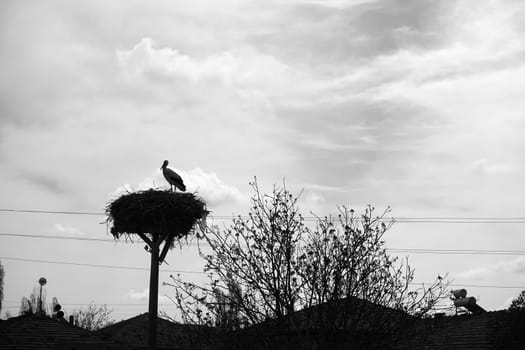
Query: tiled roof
[[42, 332], [491, 330], [349, 313], [349, 323], [132, 334], [372, 330]]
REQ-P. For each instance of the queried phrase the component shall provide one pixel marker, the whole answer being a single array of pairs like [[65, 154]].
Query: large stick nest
[[155, 212]]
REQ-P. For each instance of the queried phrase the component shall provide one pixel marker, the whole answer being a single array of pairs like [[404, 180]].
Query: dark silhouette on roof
[[38, 331], [489, 330], [132, 334], [349, 323], [358, 324]]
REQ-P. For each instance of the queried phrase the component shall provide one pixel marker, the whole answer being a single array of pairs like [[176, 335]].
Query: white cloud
[[484, 166], [68, 229], [337, 4], [516, 266], [245, 66], [312, 202], [138, 295], [207, 185], [212, 188], [475, 273], [144, 295], [478, 40]]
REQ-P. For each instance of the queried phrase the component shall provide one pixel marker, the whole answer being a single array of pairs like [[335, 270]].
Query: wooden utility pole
[[157, 258], [153, 295], [157, 217]]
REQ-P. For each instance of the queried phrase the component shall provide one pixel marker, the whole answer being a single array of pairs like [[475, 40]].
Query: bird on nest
[[172, 177]]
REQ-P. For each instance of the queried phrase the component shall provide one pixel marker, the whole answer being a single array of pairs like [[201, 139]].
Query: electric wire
[[445, 219], [393, 250], [136, 268], [203, 272], [459, 220]]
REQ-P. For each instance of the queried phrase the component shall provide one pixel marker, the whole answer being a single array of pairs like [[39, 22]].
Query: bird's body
[[172, 177]]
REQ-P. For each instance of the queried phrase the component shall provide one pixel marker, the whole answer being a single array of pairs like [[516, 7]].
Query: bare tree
[[345, 256], [253, 268], [271, 264], [519, 302], [345, 268], [93, 317], [30, 305]]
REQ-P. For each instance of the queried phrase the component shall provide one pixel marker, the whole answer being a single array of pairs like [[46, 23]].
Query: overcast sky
[[413, 104]]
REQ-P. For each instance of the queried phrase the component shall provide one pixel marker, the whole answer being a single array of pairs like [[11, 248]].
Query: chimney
[[71, 319]]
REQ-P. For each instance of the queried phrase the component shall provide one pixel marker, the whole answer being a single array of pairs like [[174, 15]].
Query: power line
[[96, 265], [484, 286], [457, 251], [393, 250], [12, 306], [457, 221], [444, 220], [51, 212], [202, 272], [70, 238], [88, 303], [25, 235]]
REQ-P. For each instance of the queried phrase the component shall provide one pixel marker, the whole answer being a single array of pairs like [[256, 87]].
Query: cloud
[[313, 202], [437, 102], [331, 34], [484, 166], [138, 295], [68, 229], [206, 184], [241, 67], [46, 182], [212, 188], [482, 41], [144, 296], [516, 266], [475, 273]]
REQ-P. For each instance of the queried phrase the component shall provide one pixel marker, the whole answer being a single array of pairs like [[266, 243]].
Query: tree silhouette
[[280, 265], [253, 265], [93, 317], [519, 302], [33, 304]]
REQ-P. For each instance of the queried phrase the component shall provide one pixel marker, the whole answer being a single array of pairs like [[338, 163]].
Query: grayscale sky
[[414, 104]]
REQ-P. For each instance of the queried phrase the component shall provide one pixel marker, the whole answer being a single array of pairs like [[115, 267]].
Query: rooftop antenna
[[42, 281]]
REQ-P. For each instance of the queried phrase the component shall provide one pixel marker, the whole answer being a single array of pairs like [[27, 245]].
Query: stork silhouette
[[172, 177]]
